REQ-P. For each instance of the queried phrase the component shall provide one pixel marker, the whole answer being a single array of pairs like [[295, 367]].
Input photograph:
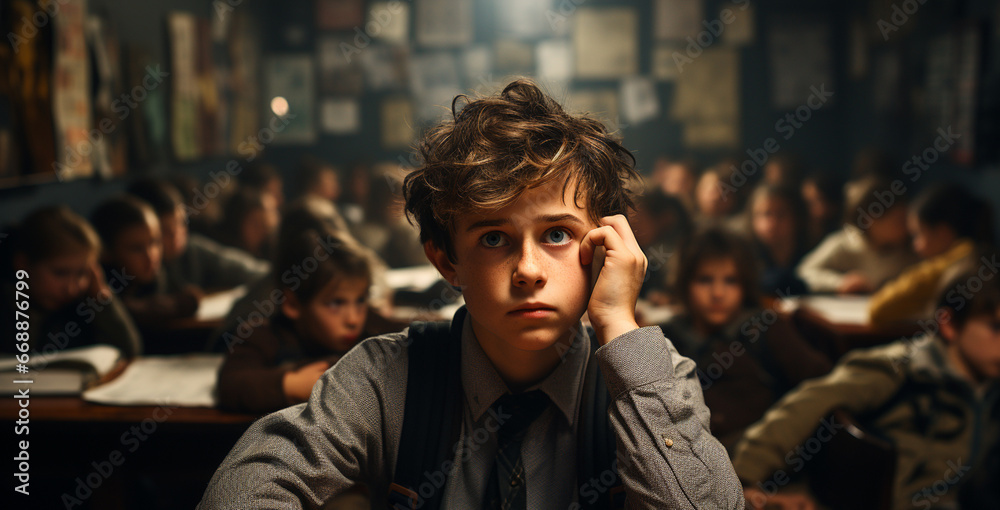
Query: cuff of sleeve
[[634, 359]]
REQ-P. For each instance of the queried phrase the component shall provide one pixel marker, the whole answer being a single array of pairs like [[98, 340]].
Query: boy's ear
[[439, 258], [292, 308]]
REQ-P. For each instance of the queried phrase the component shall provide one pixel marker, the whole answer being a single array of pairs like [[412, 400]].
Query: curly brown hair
[[714, 243], [495, 148]]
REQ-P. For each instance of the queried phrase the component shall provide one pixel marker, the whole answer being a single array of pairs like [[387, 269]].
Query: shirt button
[[667, 441], [515, 482]]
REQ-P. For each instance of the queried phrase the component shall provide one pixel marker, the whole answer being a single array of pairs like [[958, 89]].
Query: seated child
[[713, 205], [870, 250], [189, 258], [319, 319], [676, 178], [514, 199], [661, 225], [747, 357], [319, 179], [265, 178], [947, 223], [935, 398], [249, 221], [70, 304], [823, 194], [130, 231], [776, 225]]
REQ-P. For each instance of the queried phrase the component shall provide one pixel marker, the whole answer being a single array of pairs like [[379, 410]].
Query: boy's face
[[334, 317], [772, 221], [716, 293], [889, 231], [59, 280], [174, 229], [929, 241], [139, 251], [519, 269], [978, 346]]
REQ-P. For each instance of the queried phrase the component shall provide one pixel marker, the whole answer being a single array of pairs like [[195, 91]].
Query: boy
[[320, 318], [934, 398], [189, 258], [513, 200]]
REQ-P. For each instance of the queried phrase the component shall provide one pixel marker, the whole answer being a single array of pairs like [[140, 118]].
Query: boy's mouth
[[533, 311]]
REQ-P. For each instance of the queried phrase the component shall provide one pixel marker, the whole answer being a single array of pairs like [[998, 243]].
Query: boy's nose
[[529, 270]]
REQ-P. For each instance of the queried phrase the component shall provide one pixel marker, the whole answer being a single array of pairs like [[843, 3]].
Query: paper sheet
[[677, 19], [444, 22], [639, 99], [554, 61], [389, 21], [843, 310], [340, 65], [526, 19], [216, 306], [414, 278], [664, 66], [340, 116], [605, 42], [187, 380], [707, 99], [743, 29], [386, 67], [397, 123], [514, 57], [601, 104]]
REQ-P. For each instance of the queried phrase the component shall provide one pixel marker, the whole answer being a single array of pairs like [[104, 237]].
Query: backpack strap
[[431, 416], [597, 451]]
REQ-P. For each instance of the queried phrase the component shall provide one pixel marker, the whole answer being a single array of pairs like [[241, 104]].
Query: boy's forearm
[[670, 459]]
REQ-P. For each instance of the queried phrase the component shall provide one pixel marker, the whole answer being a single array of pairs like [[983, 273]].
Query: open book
[[66, 372]]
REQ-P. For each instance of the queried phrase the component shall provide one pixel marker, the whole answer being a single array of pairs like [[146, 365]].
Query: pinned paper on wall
[[523, 19], [639, 101], [389, 21], [435, 83], [182, 28], [340, 70], [800, 58], [605, 42], [340, 116], [477, 68], [601, 104], [386, 67], [741, 29], [677, 19], [397, 123], [444, 22], [707, 99], [665, 60], [514, 57], [288, 83], [554, 62]]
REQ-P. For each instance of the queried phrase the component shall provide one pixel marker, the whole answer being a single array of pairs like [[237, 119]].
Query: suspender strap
[[431, 416], [596, 451]]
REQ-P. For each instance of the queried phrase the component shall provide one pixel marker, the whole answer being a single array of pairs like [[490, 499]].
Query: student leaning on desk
[[513, 201]]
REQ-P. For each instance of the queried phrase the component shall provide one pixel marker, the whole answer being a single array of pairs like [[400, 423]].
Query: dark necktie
[[505, 488]]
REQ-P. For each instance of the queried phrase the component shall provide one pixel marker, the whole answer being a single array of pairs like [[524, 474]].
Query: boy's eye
[[493, 240], [557, 236]]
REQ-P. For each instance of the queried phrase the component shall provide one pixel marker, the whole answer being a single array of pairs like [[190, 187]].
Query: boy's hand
[[297, 384], [612, 302], [855, 283]]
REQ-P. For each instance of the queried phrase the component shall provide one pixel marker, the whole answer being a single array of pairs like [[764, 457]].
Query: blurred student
[[678, 179], [189, 258], [250, 218], [264, 297], [714, 201], [947, 224], [934, 398], [320, 318], [661, 225], [783, 170], [69, 303], [319, 179], [385, 228], [747, 357], [823, 194], [265, 178], [871, 248], [202, 201], [133, 246], [776, 225]]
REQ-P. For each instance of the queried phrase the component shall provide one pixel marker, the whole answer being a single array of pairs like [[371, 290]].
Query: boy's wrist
[[608, 332]]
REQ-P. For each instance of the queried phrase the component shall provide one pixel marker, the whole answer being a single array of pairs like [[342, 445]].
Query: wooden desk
[[119, 457], [837, 338]]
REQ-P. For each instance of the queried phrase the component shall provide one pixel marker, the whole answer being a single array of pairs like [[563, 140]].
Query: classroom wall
[[829, 140]]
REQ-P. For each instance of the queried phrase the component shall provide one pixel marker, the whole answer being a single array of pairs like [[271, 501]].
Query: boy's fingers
[[605, 236], [621, 226]]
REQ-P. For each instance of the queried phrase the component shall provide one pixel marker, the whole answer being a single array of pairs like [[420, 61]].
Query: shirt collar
[[483, 385]]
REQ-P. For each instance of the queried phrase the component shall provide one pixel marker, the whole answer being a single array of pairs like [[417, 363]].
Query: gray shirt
[[348, 433]]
